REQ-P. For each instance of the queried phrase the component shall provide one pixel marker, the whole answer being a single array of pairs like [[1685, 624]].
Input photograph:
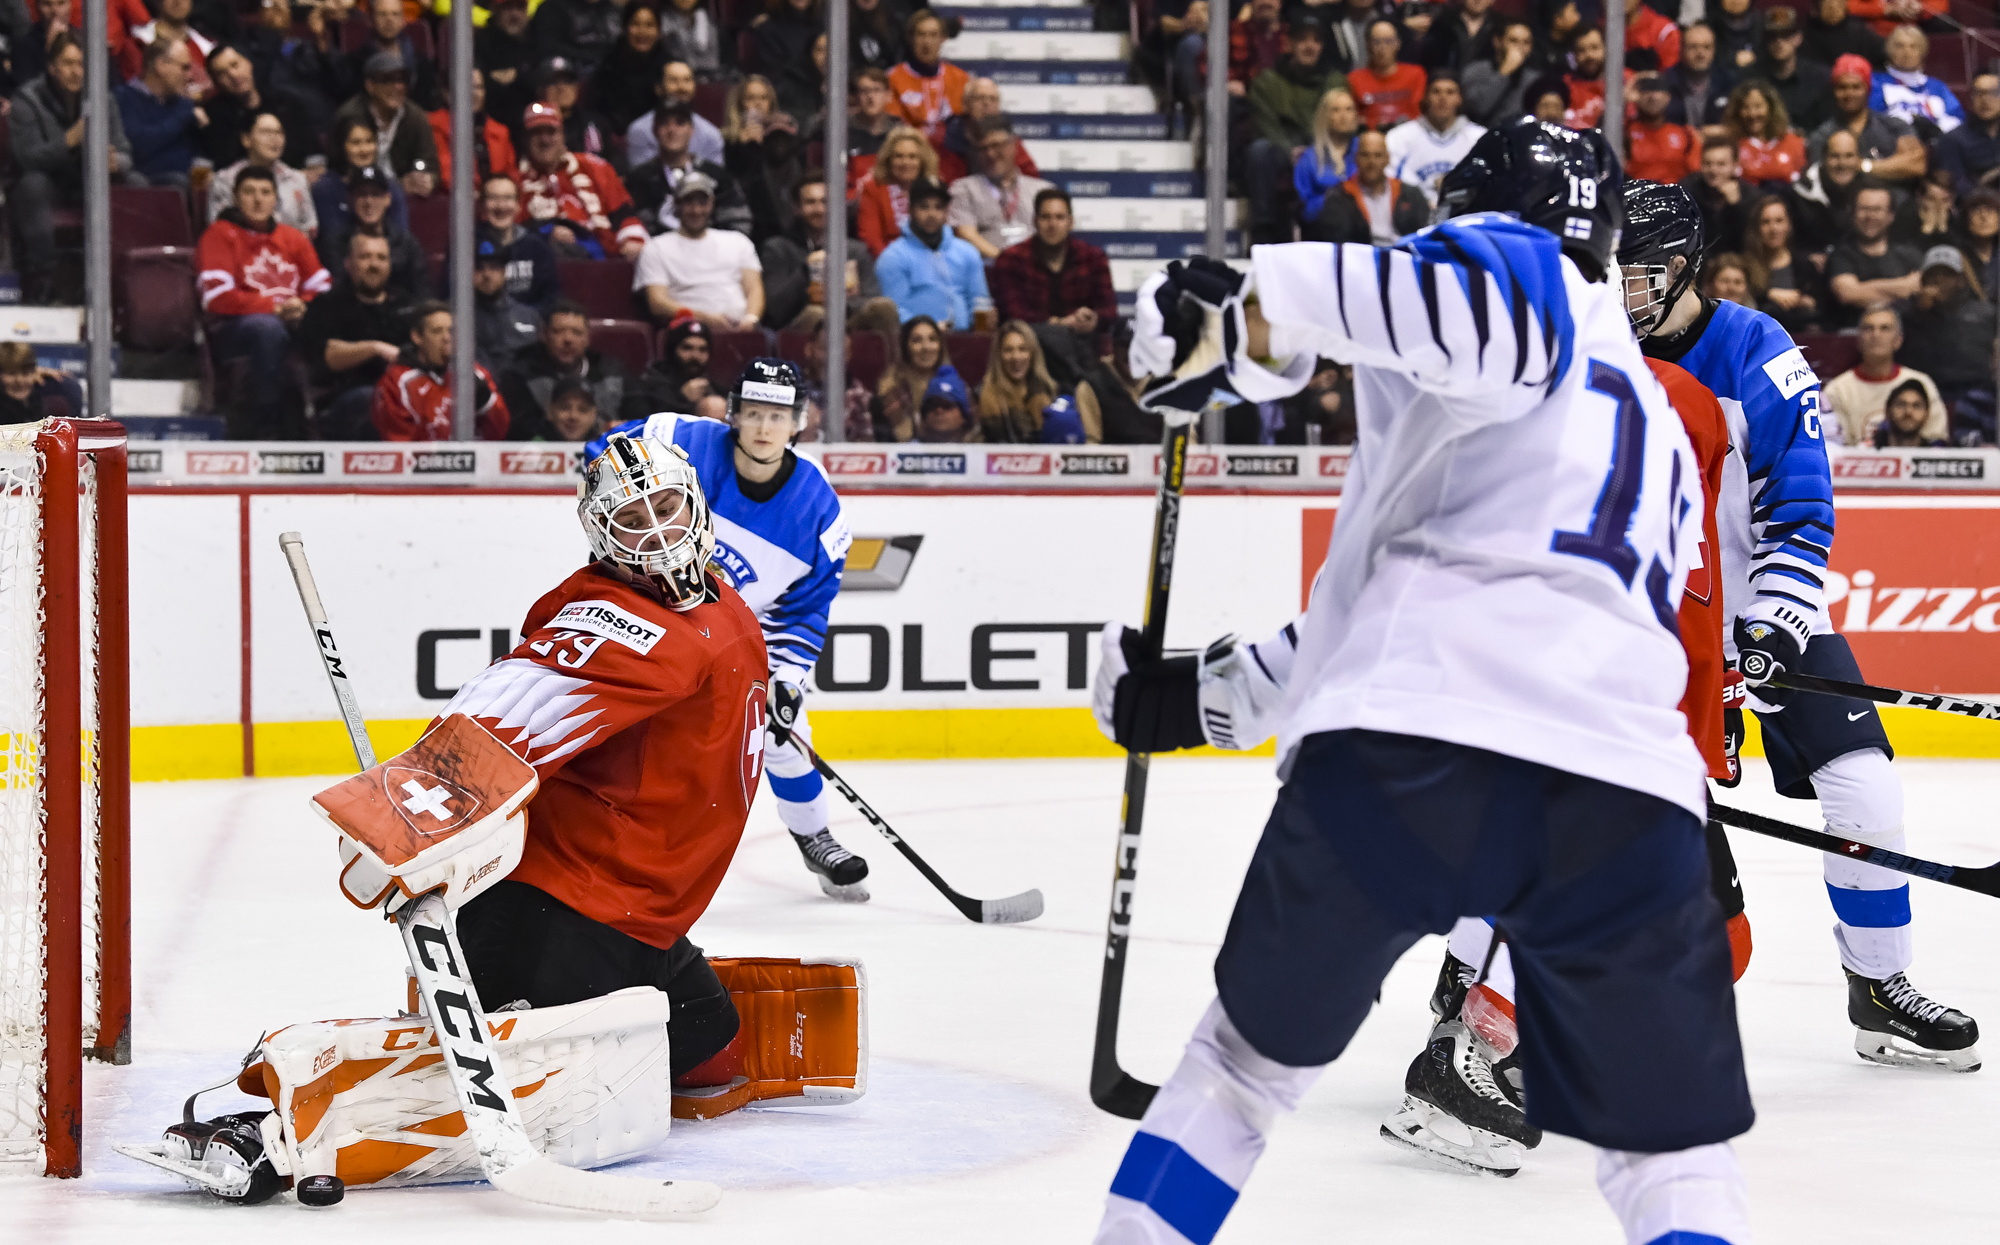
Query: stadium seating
[[628, 341], [602, 287]]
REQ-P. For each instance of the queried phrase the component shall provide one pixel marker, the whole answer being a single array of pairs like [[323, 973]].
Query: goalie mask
[[642, 507], [1662, 223]]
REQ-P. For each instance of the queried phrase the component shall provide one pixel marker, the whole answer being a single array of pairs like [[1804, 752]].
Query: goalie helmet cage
[[65, 896]]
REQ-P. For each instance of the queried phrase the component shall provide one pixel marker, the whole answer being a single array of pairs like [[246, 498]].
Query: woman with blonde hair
[[1766, 149], [905, 155], [899, 397], [1330, 159], [1017, 386]]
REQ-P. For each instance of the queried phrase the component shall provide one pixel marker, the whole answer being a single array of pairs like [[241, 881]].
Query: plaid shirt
[[1024, 289]]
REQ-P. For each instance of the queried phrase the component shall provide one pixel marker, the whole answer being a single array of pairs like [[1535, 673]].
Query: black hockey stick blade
[[1980, 881], [1935, 701], [1011, 910]]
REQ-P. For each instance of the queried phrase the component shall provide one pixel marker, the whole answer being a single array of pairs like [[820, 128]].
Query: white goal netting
[[25, 835]]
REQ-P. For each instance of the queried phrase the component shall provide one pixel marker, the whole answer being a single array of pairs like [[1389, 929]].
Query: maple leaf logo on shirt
[[271, 274]]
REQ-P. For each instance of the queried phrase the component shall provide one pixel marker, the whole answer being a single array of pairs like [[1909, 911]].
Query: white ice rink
[[977, 1126]]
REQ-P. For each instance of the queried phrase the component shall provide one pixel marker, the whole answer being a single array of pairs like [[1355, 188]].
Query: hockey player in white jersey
[[781, 541], [1775, 518], [1482, 710]]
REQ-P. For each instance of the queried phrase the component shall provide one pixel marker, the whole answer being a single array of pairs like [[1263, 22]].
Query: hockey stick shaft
[[1981, 881], [1936, 701], [430, 939], [1111, 1087], [1025, 906]]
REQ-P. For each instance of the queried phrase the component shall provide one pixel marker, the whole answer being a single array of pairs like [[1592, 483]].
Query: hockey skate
[[1897, 1027], [840, 872], [1454, 1110]]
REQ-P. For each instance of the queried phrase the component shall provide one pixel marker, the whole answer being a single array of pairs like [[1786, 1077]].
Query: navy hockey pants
[[1621, 959]]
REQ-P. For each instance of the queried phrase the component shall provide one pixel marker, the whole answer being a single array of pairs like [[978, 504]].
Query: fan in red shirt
[[1766, 148], [257, 276], [1387, 92], [1660, 150], [1648, 35], [575, 198], [926, 90], [637, 694], [413, 398]]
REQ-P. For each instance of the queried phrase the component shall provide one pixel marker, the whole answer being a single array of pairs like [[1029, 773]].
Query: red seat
[[430, 221], [153, 298], [711, 100], [1947, 60], [747, 60], [146, 216], [867, 358], [728, 353], [1830, 353], [602, 286], [357, 32], [970, 353], [628, 341], [735, 15], [440, 275]]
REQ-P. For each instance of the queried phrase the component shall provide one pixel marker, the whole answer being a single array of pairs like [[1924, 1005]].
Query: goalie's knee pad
[[804, 1034], [370, 1101]]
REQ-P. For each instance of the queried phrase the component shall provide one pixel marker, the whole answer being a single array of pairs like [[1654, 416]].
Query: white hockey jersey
[[1513, 536]]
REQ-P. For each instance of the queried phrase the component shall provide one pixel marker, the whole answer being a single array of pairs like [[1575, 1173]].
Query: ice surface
[[976, 1126]]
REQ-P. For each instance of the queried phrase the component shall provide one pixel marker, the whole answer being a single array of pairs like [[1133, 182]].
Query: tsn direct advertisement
[[967, 624]]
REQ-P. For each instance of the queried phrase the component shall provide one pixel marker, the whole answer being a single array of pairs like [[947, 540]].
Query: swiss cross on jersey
[[755, 719], [430, 805]]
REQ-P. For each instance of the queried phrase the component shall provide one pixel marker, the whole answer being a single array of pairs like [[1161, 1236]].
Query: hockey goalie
[[577, 805]]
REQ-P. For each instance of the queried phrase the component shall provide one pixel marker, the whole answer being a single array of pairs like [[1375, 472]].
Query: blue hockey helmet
[[774, 382], [1565, 181], [1662, 224]]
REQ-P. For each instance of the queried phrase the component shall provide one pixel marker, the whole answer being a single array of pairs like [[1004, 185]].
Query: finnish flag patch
[[1577, 227]]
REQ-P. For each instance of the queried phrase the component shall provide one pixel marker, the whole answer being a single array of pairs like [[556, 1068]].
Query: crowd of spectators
[[1843, 190]]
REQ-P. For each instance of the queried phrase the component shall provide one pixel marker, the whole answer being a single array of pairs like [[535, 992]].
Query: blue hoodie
[[941, 284]]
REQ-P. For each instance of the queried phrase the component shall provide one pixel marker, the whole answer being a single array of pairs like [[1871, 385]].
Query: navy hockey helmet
[[774, 382], [1662, 224], [1566, 181]]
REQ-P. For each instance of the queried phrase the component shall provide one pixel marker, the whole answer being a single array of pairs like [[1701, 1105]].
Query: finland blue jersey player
[[781, 541], [1775, 521], [1481, 714]]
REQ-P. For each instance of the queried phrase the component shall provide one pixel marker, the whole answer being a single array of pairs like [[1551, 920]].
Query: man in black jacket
[[350, 335], [237, 98], [1806, 87], [580, 30], [791, 300], [653, 183], [1948, 335], [503, 328], [505, 52], [369, 196], [563, 351], [678, 379], [1459, 36], [389, 33], [1832, 32], [1700, 86]]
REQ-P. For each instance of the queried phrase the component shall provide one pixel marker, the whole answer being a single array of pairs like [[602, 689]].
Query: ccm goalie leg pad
[[370, 1102], [804, 1035]]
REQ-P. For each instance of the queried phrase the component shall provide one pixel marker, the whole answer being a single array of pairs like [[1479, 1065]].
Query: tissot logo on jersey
[[610, 621]]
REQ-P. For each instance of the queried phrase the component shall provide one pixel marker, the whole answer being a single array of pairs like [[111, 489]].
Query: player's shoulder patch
[[610, 620], [837, 537], [1790, 372]]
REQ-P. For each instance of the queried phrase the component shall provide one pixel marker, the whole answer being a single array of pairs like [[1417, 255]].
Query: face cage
[[1647, 281], [676, 538]]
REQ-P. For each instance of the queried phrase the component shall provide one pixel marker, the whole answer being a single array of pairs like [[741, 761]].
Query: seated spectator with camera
[[1949, 333], [351, 334]]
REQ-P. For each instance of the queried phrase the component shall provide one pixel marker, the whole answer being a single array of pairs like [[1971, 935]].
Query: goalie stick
[[1025, 906], [1982, 881], [1935, 701], [1111, 1087], [430, 938]]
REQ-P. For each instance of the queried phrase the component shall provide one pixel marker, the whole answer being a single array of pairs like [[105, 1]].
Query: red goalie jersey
[[1701, 604], [646, 728]]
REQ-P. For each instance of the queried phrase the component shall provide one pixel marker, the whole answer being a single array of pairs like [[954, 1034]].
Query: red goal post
[[65, 800]]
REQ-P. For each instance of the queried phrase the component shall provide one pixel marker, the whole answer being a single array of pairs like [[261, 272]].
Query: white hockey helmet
[[642, 507]]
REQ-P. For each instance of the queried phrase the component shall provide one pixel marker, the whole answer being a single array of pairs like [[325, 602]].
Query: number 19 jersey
[[1515, 529]]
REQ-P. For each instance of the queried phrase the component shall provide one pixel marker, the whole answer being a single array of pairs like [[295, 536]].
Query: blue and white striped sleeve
[[1466, 308], [795, 623], [1791, 485]]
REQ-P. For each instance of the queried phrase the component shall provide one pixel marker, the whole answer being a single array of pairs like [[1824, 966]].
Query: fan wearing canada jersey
[[637, 694], [781, 540]]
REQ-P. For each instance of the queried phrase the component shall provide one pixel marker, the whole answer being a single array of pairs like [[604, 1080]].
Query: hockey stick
[[1936, 701], [430, 938], [1025, 906], [1983, 881], [1111, 1087]]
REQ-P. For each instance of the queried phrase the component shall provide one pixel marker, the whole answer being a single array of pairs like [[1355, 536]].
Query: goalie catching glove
[[444, 816], [1227, 696], [1191, 336]]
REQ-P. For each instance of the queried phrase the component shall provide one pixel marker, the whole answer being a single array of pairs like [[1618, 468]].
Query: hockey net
[[64, 885]]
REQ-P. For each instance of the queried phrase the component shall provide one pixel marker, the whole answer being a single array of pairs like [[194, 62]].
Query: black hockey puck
[[320, 1191]]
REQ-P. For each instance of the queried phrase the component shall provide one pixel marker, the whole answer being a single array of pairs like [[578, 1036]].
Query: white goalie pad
[[444, 816], [370, 1101]]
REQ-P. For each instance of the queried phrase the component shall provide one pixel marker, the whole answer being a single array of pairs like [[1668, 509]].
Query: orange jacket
[[877, 216], [245, 272], [647, 730], [1663, 152], [927, 103], [499, 147], [1701, 603]]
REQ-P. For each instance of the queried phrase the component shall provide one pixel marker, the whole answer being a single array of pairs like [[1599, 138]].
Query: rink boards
[[968, 627]]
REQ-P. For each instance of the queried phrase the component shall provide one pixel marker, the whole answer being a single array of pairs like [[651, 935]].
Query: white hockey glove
[[1190, 336], [1226, 696], [444, 816], [1771, 638]]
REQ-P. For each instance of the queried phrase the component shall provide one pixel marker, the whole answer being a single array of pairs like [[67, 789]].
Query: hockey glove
[[1146, 704], [1770, 644], [1733, 696], [1190, 337], [787, 701]]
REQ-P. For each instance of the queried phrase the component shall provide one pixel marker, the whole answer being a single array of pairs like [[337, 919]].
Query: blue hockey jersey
[[784, 556], [1775, 515]]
